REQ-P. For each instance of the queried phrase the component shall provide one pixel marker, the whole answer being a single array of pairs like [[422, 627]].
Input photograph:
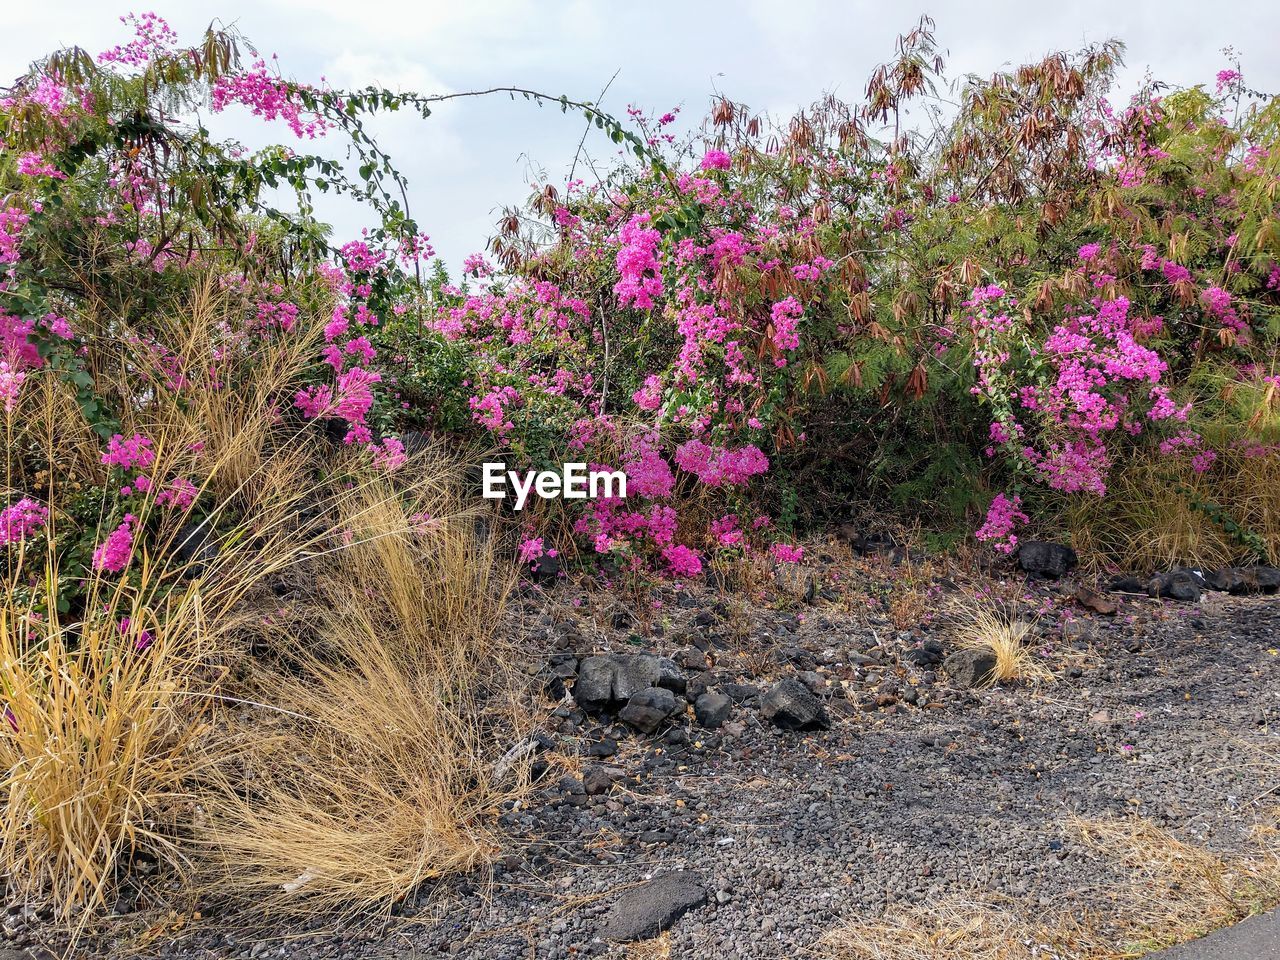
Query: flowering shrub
[[809, 299], [758, 323]]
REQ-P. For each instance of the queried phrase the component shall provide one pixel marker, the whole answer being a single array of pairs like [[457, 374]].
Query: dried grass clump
[[375, 774], [103, 701], [1147, 523], [115, 729], [1010, 638], [1174, 892], [96, 746]]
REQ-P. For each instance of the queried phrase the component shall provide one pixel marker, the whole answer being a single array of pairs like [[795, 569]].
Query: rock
[[791, 705], [1127, 584], [971, 667], [1244, 580], [195, 547], [648, 708], [598, 780], [635, 673], [1091, 600], [1182, 585], [645, 911], [712, 709], [738, 692], [864, 544], [563, 667], [609, 679], [691, 660], [594, 688], [1264, 579], [928, 654], [1048, 560], [546, 568]]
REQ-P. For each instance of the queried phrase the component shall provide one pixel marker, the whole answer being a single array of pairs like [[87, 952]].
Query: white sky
[[474, 156]]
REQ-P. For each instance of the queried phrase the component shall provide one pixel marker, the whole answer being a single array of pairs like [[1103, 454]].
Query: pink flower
[[649, 397], [180, 494], [682, 561], [1003, 517], [21, 520], [267, 97], [114, 555], [786, 316], [11, 381], [639, 273], [531, 549], [787, 553], [390, 455], [129, 454], [716, 160]]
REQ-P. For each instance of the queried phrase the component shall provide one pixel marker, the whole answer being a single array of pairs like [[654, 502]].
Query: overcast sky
[[474, 156]]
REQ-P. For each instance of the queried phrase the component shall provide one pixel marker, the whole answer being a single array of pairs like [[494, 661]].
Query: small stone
[[647, 709], [645, 911], [971, 667], [598, 780], [791, 705], [712, 709], [1091, 600]]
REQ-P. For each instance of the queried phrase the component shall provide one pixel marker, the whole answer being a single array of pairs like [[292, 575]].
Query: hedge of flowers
[[751, 320]]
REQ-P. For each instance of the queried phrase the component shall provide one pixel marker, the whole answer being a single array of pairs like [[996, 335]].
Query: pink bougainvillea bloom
[[128, 454], [787, 553], [114, 554], [531, 549], [389, 455], [21, 520], [682, 561], [1003, 518], [716, 160]]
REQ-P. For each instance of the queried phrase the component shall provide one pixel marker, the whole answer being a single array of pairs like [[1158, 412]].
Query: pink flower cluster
[[639, 273], [21, 520], [114, 554], [267, 97], [133, 453], [1003, 517], [716, 466]]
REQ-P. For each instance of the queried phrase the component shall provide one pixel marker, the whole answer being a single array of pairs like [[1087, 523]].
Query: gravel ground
[[917, 791]]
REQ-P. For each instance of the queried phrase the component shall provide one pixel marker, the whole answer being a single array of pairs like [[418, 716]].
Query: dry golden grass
[[376, 776], [659, 948], [1145, 523], [104, 705], [1174, 892], [113, 746], [1007, 636], [97, 748]]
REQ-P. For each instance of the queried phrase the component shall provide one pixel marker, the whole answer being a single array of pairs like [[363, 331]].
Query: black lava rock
[[712, 709], [1244, 580], [791, 705], [1127, 584], [971, 667], [610, 679], [647, 910], [1048, 560], [1182, 585], [598, 780], [648, 708]]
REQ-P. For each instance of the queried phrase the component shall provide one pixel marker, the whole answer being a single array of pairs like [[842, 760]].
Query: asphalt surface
[[1257, 938]]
